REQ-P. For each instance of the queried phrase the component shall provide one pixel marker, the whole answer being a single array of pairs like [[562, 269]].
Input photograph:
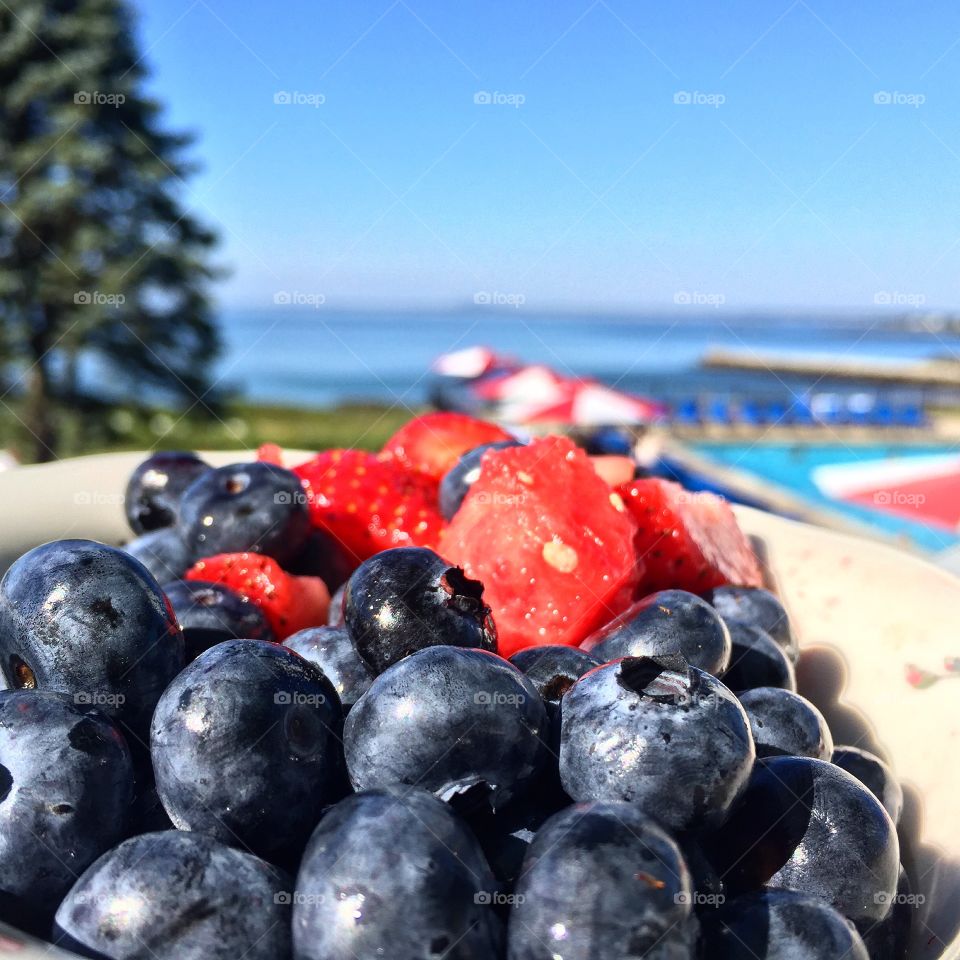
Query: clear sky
[[783, 153]]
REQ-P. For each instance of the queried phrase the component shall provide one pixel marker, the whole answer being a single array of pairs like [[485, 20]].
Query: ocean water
[[316, 357]]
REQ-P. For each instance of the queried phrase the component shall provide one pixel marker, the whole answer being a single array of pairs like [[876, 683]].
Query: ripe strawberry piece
[[369, 505], [550, 543], [431, 444], [688, 541], [289, 603]]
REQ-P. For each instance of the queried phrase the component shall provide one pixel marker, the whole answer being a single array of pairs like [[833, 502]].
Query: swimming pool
[[791, 466]]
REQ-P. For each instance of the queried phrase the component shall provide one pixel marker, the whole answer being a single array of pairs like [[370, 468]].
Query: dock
[[917, 373], [943, 427]]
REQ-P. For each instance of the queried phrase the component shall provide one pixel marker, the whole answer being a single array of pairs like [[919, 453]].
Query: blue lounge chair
[[750, 413], [860, 407], [911, 415], [883, 414], [801, 414], [687, 413], [718, 411], [775, 412]]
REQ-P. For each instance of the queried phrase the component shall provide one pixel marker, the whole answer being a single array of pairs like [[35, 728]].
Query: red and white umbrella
[[925, 489], [471, 362], [536, 384], [574, 403]]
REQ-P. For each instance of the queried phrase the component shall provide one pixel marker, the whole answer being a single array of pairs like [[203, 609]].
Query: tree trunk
[[39, 415]]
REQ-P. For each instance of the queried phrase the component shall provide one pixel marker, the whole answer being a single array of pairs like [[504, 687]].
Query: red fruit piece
[[431, 444], [270, 453], [551, 545], [289, 603], [369, 505], [688, 541]]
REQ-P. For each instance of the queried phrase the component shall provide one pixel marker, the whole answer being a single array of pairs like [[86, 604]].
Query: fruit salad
[[467, 698]]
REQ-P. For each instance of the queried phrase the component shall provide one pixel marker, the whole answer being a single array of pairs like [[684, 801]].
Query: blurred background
[[726, 238]]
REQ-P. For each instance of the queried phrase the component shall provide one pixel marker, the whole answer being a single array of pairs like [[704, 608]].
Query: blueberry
[[462, 723], [331, 650], [806, 825], [708, 887], [759, 607], [88, 620], [163, 553], [553, 669], [506, 834], [889, 939], [66, 784], [403, 600], [601, 880], [665, 624], [874, 774], [756, 660], [244, 746], [209, 613], [670, 738], [779, 925], [464, 474], [322, 556], [154, 490], [784, 724], [609, 442], [253, 507], [393, 873], [177, 896]]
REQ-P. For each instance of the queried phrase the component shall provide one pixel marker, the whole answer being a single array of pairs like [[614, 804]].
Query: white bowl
[[863, 612]]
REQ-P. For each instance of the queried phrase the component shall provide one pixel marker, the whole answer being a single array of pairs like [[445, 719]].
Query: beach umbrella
[[925, 489], [535, 384], [590, 404], [470, 363]]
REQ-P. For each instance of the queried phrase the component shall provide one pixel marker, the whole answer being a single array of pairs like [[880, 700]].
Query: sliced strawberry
[[551, 544], [368, 504], [431, 444], [688, 541], [289, 603]]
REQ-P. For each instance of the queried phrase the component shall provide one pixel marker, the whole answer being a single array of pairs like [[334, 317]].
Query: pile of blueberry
[[175, 783]]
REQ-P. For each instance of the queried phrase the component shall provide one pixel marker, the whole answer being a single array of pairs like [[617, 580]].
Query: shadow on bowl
[[935, 878]]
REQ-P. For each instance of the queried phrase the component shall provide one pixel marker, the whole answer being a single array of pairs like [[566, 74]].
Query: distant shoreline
[[850, 319]]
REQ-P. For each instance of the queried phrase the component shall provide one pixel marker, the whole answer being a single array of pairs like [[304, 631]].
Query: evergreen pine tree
[[101, 267]]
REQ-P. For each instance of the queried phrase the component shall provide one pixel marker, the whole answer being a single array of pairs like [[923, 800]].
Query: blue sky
[[785, 154]]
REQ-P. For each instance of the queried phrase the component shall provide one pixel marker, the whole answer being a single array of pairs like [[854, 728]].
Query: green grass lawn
[[242, 426], [247, 426]]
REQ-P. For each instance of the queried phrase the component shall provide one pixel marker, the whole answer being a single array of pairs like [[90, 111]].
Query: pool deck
[[943, 427]]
